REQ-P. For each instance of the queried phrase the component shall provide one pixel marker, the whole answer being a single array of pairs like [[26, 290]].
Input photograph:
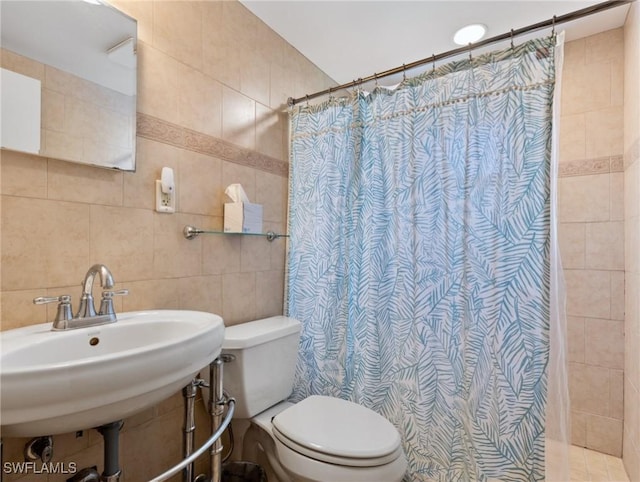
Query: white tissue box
[[242, 218]]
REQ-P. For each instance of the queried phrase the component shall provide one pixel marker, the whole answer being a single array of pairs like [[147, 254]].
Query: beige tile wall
[[81, 121], [209, 73], [591, 231], [216, 69], [631, 440]]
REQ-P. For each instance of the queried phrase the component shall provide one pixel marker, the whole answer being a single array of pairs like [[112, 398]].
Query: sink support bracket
[[189, 395], [111, 435], [218, 400]]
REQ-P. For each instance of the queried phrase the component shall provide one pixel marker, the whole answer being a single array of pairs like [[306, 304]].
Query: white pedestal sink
[[62, 381]]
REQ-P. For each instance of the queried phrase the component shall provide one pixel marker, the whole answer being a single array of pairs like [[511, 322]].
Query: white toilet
[[320, 439]]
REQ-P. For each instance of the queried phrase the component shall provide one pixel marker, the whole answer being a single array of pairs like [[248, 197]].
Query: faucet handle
[[64, 305], [111, 293], [106, 303], [43, 300]]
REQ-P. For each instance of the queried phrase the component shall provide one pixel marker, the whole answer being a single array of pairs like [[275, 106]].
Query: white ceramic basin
[[62, 381]]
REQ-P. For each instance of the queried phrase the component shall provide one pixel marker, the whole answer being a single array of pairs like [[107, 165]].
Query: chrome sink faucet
[[87, 308], [86, 315]]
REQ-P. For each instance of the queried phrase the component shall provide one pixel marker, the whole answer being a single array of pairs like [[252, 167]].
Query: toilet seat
[[338, 432], [335, 460]]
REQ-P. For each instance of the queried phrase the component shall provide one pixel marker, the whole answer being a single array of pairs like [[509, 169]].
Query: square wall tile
[[586, 88], [605, 46], [84, 184], [199, 102], [269, 293], [146, 464], [200, 188], [255, 254], [574, 53], [269, 128], [578, 428], [617, 295], [604, 132], [271, 192], [23, 174], [572, 240], [44, 243], [572, 137], [174, 256], [617, 82], [157, 82], [616, 395], [576, 339], [120, 235], [583, 198], [238, 118], [177, 31], [617, 204], [604, 343], [254, 77], [588, 293], [157, 294], [604, 435], [278, 247], [17, 309], [605, 245], [238, 298], [201, 293], [589, 389], [221, 253]]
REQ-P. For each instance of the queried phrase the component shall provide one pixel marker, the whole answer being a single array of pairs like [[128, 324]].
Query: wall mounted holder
[[191, 232], [166, 192]]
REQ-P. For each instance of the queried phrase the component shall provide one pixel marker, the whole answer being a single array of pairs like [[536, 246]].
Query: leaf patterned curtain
[[419, 260]]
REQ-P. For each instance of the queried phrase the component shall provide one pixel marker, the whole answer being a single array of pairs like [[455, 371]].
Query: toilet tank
[[265, 361]]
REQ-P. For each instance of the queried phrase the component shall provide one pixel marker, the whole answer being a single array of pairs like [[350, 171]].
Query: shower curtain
[[420, 260]]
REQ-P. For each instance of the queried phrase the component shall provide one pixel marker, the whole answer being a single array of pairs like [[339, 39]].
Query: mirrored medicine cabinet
[[83, 53]]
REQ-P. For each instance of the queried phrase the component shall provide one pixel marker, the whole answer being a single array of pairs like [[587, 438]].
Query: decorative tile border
[[160, 130], [584, 167]]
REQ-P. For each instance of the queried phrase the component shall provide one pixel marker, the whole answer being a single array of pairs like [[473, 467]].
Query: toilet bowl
[[319, 439]]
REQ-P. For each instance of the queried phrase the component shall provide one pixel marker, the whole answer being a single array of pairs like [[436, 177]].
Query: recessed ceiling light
[[469, 34]]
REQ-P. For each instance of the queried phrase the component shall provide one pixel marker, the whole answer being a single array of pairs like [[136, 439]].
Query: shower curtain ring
[[307, 97], [553, 25], [375, 78], [511, 39], [470, 49], [404, 72], [433, 63]]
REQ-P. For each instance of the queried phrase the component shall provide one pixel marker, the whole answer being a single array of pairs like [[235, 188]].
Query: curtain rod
[[552, 22]]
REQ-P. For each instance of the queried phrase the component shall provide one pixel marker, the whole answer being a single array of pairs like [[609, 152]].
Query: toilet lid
[[337, 427]]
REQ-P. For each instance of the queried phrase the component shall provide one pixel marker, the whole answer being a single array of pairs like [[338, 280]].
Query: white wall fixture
[[20, 104], [166, 192]]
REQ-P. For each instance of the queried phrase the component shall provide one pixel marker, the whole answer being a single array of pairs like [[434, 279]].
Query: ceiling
[[353, 39]]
